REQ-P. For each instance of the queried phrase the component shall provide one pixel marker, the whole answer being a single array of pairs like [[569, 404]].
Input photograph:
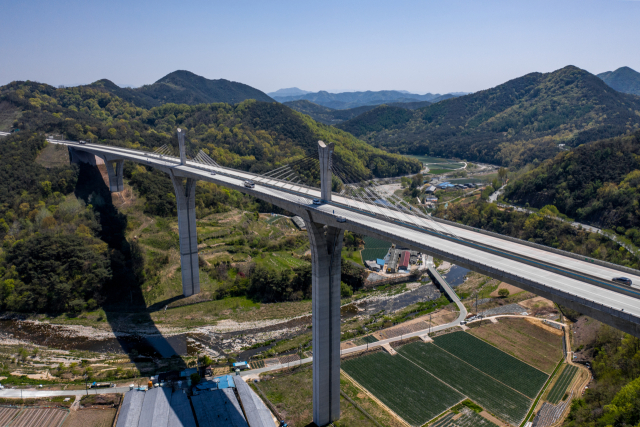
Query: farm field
[[91, 417], [560, 387], [374, 248], [525, 340], [498, 364], [39, 417], [410, 392], [486, 391], [291, 393]]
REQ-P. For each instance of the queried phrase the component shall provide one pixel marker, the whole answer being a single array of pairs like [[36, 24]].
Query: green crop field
[[374, 253], [372, 242], [486, 391], [496, 363], [560, 387], [410, 392]]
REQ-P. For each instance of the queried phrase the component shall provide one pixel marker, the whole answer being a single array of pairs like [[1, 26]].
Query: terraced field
[[560, 387], [412, 393], [494, 396], [498, 364]]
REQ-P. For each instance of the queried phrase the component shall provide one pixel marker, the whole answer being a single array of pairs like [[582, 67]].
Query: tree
[[195, 378], [502, 173], [503, 292]]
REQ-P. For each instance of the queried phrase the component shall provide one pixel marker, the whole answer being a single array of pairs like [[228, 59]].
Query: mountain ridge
[[624, 79], [184, 87], [514, 123]]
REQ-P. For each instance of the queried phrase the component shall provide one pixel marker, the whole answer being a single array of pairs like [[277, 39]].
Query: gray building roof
[[156, 406], [180, 414], [218, 408], [257, 413], [131, 408]]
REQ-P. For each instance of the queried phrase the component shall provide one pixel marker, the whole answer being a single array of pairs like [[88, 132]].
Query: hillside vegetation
[[596, 183], [624, 79], [347, 100], [512, 124], [255, 136]]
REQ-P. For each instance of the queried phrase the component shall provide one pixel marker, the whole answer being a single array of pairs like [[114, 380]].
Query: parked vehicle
[[623, 280]]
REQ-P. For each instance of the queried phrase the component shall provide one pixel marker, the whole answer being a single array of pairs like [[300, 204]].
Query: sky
[[420, 46]]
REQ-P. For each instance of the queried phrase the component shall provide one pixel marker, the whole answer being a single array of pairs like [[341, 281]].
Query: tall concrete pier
[[325, 153], [326, 256], [186, 203], [114, 169]]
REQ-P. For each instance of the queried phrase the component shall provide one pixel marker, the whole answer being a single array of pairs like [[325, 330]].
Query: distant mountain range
[[512, 124], [184, 87], [332, 116], [292, 91], [348, 100], [623, 79]]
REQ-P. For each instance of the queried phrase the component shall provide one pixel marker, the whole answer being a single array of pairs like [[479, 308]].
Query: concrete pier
[[326, 256], [325, 152], [186, 201], [326, 250], [114, 169]]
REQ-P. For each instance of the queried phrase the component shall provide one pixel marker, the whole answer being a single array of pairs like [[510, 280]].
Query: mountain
[[623, 79], [253, 135], [292, 91], [126, 94], [183, 87], [347, 100], [597, 183], [511, 124], [330, 116], [326, 115]]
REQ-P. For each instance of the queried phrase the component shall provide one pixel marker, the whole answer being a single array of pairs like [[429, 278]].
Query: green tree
[[503, 292]]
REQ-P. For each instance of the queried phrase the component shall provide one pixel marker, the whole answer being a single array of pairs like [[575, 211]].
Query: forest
[[251, 135], [515, 123], [596, 183]]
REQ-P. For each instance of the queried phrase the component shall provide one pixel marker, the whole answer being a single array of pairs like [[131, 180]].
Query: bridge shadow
[[123, 302]]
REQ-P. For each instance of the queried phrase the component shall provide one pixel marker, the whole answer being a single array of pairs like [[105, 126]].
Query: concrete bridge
[[578, 282]]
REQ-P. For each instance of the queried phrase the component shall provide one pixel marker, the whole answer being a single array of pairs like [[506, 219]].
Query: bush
[[503, 293], [195, 378]]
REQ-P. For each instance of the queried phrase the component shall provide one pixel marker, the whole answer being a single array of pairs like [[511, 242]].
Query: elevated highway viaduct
[[580, 283]]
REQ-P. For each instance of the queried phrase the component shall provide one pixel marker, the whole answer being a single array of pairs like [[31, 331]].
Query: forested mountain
[[184, 87], [331, 116], [347, 100], [624, 79], [597, 182], [252, 135], [512, 124]]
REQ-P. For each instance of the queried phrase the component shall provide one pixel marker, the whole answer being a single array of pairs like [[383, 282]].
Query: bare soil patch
[[525, 339], [512, 289], [90, 417], [53, 156]]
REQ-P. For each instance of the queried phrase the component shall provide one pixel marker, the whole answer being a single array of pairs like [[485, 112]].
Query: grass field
[[412, 393], [291, 394], [501, 366], [560, 387], [486, 391], [525, 340]]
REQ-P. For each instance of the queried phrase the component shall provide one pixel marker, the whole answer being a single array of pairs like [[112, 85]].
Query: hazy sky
[[421, 46]]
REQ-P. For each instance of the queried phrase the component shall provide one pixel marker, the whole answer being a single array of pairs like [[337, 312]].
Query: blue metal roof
[[380, 261], [225, 382]]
